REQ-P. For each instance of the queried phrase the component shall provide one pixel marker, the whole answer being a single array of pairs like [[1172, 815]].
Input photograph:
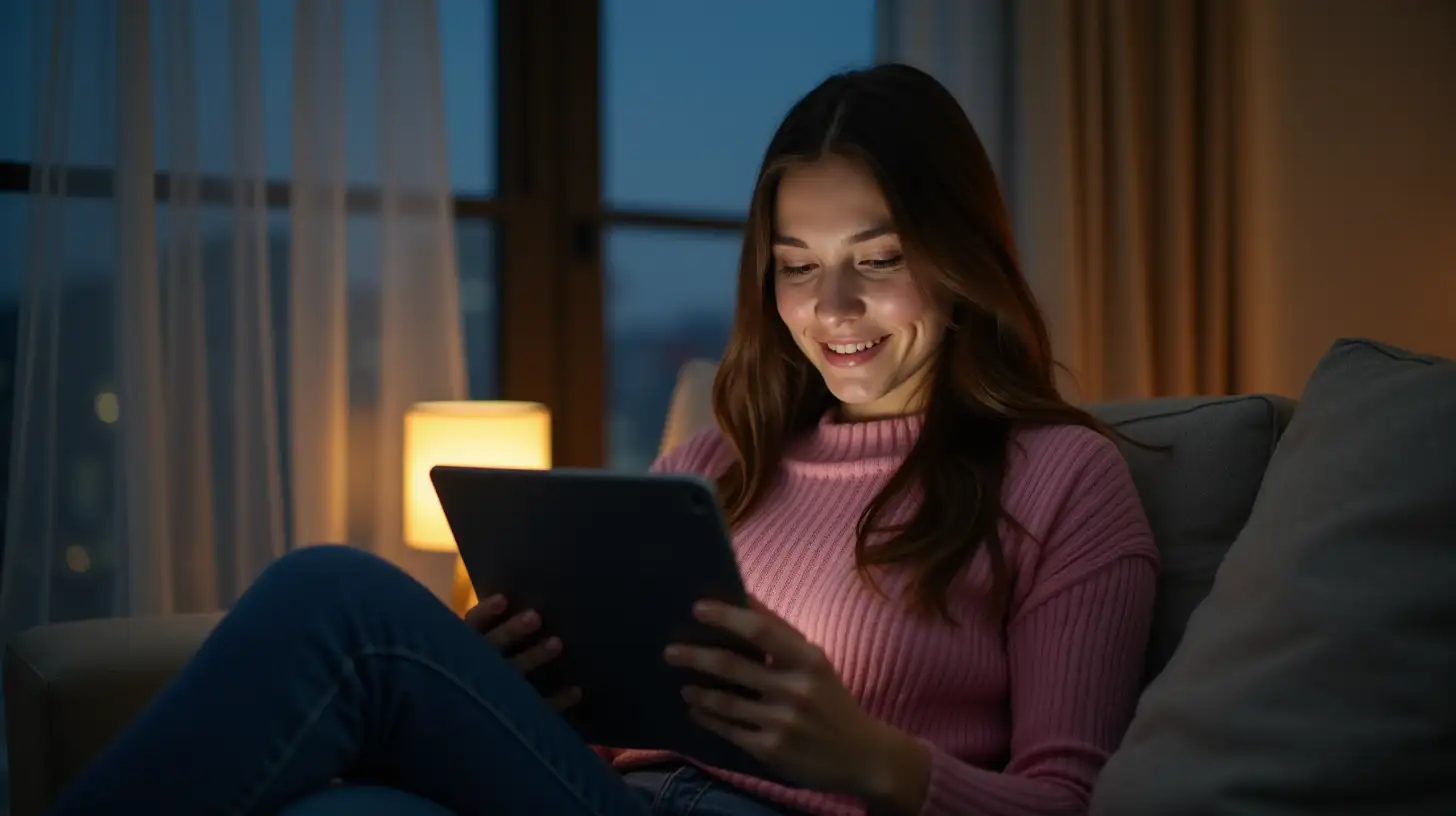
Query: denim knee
[[329, 573], [330, 560]]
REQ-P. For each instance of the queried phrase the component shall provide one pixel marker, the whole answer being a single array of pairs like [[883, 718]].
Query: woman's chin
[[858, 404], [855, 394], [872, 399]]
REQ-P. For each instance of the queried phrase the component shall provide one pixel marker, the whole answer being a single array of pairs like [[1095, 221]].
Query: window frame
[[548, 214], [554, 342]]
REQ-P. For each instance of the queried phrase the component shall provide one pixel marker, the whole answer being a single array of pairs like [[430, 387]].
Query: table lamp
[[472, 434]]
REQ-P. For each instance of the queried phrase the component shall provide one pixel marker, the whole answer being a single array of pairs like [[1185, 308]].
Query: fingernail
[[495, 603], [553, 645], [530, 618], [705, 609], [673, 652], [690, 694]]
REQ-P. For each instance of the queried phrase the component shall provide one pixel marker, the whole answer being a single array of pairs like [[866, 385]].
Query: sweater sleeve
[[1075, 647]]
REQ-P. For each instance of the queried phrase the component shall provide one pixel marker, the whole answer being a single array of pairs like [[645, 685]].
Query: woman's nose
[[840, 296]]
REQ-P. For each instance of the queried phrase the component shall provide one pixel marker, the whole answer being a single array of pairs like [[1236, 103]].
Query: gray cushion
[[1198, 490], [1318, 675]]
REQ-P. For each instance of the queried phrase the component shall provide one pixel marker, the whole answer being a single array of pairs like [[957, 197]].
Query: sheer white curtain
[[240, 271]]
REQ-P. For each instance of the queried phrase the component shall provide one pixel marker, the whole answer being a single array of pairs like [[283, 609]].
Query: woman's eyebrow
[[857, 238]]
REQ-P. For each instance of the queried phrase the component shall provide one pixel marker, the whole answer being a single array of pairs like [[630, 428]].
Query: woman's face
[[845, 292]]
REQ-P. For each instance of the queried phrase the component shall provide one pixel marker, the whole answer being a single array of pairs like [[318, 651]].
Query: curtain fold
[[1114, 126], [238, 279], [318, 316], [421, 344], [190, 456]]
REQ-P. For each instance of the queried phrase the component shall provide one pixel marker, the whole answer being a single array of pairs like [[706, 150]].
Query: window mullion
[[550, 276], [578, 153]]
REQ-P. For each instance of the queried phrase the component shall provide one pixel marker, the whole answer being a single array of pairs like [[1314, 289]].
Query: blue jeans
[[337, 665]]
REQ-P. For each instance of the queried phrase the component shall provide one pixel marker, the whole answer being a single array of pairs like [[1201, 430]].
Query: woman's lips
[[851, 353]]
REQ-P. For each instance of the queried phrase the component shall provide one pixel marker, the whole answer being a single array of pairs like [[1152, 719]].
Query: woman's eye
[[885, 263], [791, 270]]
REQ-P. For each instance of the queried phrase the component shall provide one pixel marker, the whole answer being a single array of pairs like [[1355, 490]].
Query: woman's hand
[[806, 725], [507, 636]]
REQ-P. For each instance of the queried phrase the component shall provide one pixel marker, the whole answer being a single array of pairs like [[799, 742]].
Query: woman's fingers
[[724, 665], [484, 613], [732, 707], [517, 626], [507, 635], [537, 656], [485, 617]]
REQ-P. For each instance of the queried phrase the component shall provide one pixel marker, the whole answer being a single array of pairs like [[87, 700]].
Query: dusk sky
[[692, 90]]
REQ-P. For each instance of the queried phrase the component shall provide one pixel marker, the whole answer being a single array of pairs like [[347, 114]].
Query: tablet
[[613, 563]]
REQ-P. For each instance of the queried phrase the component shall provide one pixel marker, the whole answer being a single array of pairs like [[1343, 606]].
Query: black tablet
[[613, 563]]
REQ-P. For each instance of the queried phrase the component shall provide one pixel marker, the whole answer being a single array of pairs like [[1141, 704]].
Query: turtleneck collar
[[850, 449]]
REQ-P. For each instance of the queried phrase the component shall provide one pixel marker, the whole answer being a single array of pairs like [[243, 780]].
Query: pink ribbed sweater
[[1018, 718]]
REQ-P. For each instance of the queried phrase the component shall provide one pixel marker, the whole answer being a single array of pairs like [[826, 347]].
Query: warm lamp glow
[[473, 434]]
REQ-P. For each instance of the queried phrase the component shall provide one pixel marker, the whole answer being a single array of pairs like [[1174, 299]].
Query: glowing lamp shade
[[473, 434]]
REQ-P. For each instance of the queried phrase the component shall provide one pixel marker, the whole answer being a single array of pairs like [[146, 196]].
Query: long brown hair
[[993, 372]]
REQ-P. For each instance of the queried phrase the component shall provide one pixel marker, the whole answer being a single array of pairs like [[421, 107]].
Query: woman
[[953, 575]]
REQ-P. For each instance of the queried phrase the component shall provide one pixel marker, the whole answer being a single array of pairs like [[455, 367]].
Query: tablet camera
[[698, 502]]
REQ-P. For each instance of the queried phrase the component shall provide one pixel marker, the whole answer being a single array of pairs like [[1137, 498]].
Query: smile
[[851, 348], [852, 353]]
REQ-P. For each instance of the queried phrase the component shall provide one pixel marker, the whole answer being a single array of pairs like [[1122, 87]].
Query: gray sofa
[[1311, 678]]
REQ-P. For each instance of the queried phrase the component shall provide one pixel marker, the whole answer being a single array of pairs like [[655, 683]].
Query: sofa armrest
[[71, 687]]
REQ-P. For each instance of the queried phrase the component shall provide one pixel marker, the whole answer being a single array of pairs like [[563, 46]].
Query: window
[[691, 95], [469, 64], [669, 300], [598, 237]]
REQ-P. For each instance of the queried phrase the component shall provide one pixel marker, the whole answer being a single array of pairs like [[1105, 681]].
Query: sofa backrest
[[1197, 481]]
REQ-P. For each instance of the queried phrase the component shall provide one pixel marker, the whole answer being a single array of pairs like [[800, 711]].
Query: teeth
[[851, 348]]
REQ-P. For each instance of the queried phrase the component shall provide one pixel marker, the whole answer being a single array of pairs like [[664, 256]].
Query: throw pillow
[[1318, 675]]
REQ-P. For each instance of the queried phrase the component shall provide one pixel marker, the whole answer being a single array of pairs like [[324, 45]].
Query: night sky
[[691, 92]]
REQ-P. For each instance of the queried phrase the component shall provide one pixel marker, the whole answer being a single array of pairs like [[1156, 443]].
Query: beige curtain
[[1114, 125], [1208, 193], [1126, 186]]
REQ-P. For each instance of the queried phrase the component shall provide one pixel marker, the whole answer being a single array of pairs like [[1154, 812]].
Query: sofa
[[1303, 652]]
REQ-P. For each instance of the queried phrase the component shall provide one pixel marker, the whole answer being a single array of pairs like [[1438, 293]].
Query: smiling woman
[[845, 293], [951, 574], [877, 225], [892, 451]]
